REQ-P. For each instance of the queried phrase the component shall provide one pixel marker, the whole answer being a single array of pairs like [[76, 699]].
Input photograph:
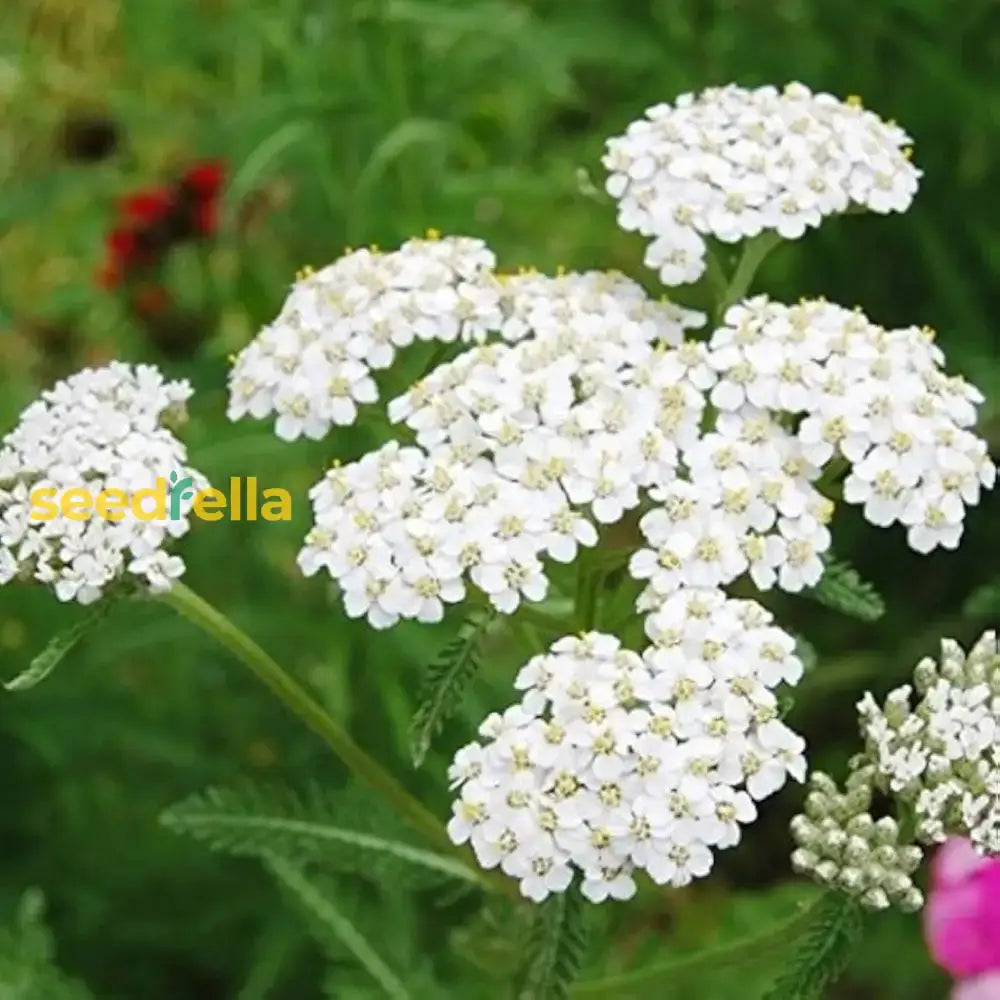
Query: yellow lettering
[[280, 499], [42, 506], [76, 505], [112, 504], [158, 494], [209, 504], [235, 498], [252, 498]]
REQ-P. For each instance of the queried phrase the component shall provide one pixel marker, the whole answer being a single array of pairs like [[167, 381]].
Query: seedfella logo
[[165, 501]]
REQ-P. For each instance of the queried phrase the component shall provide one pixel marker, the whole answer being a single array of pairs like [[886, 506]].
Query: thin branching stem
[[302, 704]]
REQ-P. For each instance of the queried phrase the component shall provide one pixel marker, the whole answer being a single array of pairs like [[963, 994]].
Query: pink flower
[[962, 919], [981, 988]]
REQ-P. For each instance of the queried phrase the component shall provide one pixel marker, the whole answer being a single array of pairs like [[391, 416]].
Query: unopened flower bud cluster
[[732, 163], [840, 844], [101, 429], [615, 763], [937, 761], [936, 746]]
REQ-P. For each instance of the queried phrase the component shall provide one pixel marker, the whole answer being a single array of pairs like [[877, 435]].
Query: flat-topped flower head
[[878, 399], [615, 763], [311, 367], [100, 430], [578, 407], [732, 163]]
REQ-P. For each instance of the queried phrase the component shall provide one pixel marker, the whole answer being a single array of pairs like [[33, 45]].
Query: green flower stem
[[198, 611], [829, 484], [729, 293], [753, 256], [747, 950], [588, 609], [544, 621], [526, 614], [715, 277]]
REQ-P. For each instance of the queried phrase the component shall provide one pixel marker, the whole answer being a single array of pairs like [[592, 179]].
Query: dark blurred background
[[351, 123]]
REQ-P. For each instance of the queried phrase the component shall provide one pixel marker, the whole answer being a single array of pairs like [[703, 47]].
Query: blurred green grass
[[357, 122]]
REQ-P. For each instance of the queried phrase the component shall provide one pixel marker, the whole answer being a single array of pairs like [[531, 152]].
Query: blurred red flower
[[154, 220], [206, 178], [147, 208]]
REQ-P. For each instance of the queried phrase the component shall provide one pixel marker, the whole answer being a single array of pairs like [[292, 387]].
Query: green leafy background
[[347, 123]]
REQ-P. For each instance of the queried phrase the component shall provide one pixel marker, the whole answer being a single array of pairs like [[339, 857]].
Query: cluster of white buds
[[99, 431], [941, 757], [615, 763], [840, 844], [733, 163], [311, 367], [584, 406], [879, 399]]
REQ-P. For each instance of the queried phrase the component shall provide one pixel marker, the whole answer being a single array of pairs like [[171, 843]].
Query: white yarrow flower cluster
[[312, 366], [942, 755], [732, 163], [516, 442], [615, 763], [581, 399], [878, 399], [101, 429]]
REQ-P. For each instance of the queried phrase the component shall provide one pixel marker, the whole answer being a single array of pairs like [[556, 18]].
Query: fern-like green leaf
[[27, 958], [842, 589], [733, 957], [555, 949], [824, 951], [58, 647], [255, 822], [445, 681], [327, 920]]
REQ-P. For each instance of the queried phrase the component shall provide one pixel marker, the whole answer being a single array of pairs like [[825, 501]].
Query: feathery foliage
[[842, 589], [59, 646], [316, 826], [555, 948], [445, 680], [327, 921], [824, 951], [27, 958], [755, 937]]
